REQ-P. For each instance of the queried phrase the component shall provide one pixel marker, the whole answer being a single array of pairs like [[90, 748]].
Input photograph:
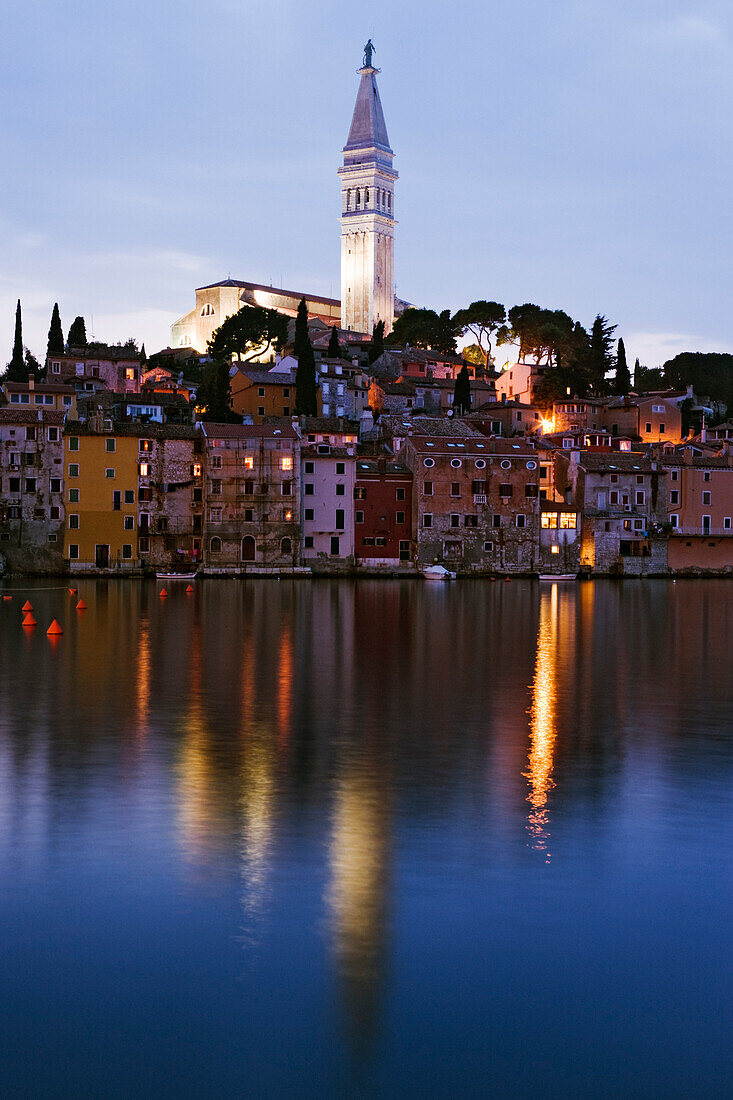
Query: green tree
[[55, 334], [77, 334], [143, 356], [462, 392], [249, 334], [214, 399], [424, 328], [601, 359], [482, 320], [334, 348], [32, 367], [473, 354], [623, 376], [377, 345], [306, 390], [16, 369], [637, 374], [709, 373]]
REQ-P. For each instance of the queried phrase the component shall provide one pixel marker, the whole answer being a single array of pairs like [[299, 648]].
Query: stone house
[[475, 503], [700, 503], [170, 493], [117, 367], [46, 395], [623, 500], [32, 514], [327, 501], [258, 394], [251, 497], [560, 537]]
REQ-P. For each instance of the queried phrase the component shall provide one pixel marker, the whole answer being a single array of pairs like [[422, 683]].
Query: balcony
[[479, 498]]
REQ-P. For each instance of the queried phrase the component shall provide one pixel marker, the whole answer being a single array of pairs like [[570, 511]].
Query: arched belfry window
[[348, 198], [366, 196], [358, 196]]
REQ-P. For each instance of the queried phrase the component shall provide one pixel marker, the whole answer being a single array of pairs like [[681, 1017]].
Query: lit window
[[549, 520], [554, 549], [130, 374], [144, 468], [249, 463], [286, 462], [568, 521], [196, 469]]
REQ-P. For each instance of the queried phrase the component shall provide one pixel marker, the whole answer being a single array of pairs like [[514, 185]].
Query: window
[[215, 545], [427, 488], [14, 485], [674, 496], [648, 429], [427, 520], [144, 446], [143, 545], [110, 444], [505, 490], [109, 472], [55, 484], [53, 435], [455, 462], [488, 547], [144, 495], [198, 495], [215, 514], [73, 522], [367, 541], [640, 496], [249, 488], [404, 550], [613, 496], [309, 467], [520, 520], [661, 428], [428, 462], [286, 546], [261, 391], [675, 475], [359, 493], [674, 520], [129, 496], [56, 368], [162, 525], [144, 469], [470, 520], [614, 479], [568, 521], [30, 485], [455, 520], [455, 489], [309, 489], [285, 488], [400, 517], [359, 517], [30, 433], [335, 545], [308, 542], [340, 468], [706, 525], [340, 490], [706, 496], [116, 500], [496, 521], [548, 521], [639, 479], [706, 476], [196, 469], [73, 443], [726, 523], [309, 514], [286, 462], [73, 551], [216, 487], [216, 462], [340, 519], [129, 523], [531, 490]]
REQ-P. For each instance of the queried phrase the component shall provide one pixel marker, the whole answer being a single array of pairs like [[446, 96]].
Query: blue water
[[367, 839]]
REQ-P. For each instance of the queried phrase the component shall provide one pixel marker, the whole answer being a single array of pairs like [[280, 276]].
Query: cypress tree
[[462, 392], [637, 375], [143, 356], [377, 344], [306, 400], [334, 351], [16, 369], [55, 334], [623, 378], [77, 334]]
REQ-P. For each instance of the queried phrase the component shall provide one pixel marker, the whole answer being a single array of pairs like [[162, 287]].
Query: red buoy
[[28, 619], [81, 606], [162, 593], [189, 588], [7, 597], [27, 606], [73, 591], [54, 629]]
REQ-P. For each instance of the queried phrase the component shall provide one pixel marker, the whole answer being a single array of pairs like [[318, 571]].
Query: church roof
[[368, 127]]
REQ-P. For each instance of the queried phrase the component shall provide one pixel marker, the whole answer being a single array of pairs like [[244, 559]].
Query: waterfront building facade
[[383, 533], [327, 501], [31, 489], [101, 486]]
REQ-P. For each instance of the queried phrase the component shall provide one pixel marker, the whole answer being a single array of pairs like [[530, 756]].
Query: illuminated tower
[[367, 212]]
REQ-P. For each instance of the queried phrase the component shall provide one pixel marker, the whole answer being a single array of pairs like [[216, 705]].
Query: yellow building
[[101, 471]]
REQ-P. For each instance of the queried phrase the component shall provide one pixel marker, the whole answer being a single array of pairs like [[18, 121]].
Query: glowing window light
[[249, 463], [144, 469], [286, 462]]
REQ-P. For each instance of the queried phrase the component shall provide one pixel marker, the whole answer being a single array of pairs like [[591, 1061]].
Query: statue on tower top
[[369, 49]]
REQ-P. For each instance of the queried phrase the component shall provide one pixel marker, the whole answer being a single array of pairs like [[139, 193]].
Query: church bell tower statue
[[367, 211]]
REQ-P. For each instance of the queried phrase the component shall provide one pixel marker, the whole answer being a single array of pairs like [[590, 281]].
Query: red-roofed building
[[383, 533]]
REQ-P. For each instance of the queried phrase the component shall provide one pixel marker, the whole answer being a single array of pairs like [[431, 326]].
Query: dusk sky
[[576, 154]]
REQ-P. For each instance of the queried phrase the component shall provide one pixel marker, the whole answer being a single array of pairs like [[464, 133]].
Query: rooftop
[[283, 430]]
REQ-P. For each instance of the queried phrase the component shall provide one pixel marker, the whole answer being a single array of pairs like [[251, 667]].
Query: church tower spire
[[367, 211]]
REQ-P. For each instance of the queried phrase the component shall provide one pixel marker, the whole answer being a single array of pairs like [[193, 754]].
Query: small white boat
[[558, 576], [437, 573], [175, 576]]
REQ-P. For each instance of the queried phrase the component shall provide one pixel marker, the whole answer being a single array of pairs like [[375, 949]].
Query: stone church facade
[[367, 243]]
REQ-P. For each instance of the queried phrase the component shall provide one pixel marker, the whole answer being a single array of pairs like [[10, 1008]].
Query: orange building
[[259, 393]]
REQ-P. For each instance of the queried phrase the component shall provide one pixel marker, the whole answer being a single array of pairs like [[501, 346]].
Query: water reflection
[[543, 722]]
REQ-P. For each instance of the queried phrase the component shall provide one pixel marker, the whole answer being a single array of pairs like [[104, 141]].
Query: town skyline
[[611, 220]]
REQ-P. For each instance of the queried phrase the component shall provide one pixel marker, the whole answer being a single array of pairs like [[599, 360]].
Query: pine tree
[[334, 350], [306, 399], [462, 392], [143, 356], [77, 334], [55, 334], [377, 345], [623, 378], [601, 358], [16, 369]]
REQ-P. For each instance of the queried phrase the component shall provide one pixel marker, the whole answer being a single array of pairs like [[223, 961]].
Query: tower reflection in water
[[555, 636]]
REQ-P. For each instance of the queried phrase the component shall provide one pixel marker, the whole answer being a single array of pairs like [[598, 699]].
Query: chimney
[[382, 464], [31, 383]]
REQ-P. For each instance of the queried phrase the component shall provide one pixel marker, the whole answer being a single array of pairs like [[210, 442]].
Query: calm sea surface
[[367, 839]]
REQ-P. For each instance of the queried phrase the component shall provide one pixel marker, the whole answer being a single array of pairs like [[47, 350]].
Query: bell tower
[[367, 211]]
